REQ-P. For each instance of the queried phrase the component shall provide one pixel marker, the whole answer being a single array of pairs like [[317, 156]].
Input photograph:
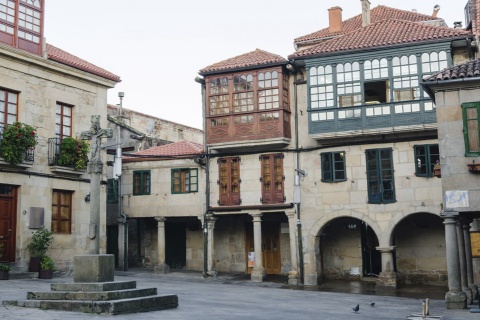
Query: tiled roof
[[380, 34], [58, 55], [182, 148], [470, 69], [376, 14], [253, 58]]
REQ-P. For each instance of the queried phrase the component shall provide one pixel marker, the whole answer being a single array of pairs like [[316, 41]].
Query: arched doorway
[[420, 253], [347, 249]]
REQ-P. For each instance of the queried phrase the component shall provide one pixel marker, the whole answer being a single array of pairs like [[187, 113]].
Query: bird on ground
[[356, 308], [372, 303]]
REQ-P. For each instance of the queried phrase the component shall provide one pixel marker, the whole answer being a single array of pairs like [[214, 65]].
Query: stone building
[[322, 165], [56, 93]]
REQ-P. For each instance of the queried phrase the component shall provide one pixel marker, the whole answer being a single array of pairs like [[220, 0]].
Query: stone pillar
[[258, 272], [122, 245], [210, 242], [468, 256], [161, 266], [387, 277], [463, 261], [455, 298], [292, 226]]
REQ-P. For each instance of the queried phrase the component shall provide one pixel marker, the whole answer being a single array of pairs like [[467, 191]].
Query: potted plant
[[4, 268], [73, 153], [46, 268], [17, 139], [38, 246]]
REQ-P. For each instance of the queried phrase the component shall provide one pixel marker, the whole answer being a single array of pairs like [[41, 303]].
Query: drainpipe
[[201, 81], [298, 171]]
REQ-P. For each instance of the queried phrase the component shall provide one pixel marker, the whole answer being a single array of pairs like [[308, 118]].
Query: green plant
[[17, 139], [4, 267], [40, 242], [46, 263], [73, 153]]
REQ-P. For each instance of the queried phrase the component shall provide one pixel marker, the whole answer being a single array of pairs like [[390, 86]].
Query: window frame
[[144, 187], [430, 159], [466, 135], [60, 121], [328, 165], [56, 222], [378, 175], [229, 181], [112, 190], [192, 175], [5, 110]]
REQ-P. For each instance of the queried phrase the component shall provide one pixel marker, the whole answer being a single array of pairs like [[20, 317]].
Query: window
[[229, 181], [381, 185], [272, 178], [63, 121], [184, 180], [321, 91], [426, 156], [470, 128], [243, 96], [434, 62], [112, 191], [141, 182], [62, 211], [333, 166], [8, 107]]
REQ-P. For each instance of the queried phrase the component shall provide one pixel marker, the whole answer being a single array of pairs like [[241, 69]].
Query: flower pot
[[34, 265], [45, 274], [4, 275]]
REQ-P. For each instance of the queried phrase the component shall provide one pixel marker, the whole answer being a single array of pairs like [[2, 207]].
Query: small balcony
[[28, 159], [63, 160]]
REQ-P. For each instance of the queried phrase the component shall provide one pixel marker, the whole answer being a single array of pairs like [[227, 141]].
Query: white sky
[[157, 47]]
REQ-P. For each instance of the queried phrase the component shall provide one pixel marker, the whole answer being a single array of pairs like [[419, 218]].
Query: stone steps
[[98, 297]]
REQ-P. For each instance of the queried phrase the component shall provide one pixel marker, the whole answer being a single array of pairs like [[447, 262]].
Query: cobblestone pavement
[[234, 297]]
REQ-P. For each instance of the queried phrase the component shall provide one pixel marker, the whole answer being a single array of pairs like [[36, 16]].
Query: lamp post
[[117, 173]]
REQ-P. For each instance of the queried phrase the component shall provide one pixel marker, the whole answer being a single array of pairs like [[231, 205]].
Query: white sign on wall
[[456, 199]]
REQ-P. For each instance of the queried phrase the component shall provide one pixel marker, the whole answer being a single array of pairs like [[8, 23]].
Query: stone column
[[122, 245], [387, 277], [258, 272], [161, 266], [292, 226], [468, 256], [463, 261], [210, 242], [455, 298]]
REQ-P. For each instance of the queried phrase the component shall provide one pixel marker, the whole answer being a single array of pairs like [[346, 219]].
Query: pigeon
[[356, 308], [372, 303]]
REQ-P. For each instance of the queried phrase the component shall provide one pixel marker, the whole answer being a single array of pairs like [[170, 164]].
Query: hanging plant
[[73, 153], [17, 139]]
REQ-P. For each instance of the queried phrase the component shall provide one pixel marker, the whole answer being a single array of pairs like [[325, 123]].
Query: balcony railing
[[29, 154], [368, 117]]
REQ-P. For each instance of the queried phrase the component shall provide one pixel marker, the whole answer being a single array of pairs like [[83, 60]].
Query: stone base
[[469, 294], [258, 274], [387, 279], [293, 278], [456, 300], [162, 269], [212, 273], [93, 268]]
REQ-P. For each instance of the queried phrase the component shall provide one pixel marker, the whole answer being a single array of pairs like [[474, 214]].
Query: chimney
[[435, 11], [457, 25], [335, 19], [365, 12]]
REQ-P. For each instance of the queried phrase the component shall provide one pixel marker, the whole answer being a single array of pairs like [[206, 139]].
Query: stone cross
[[95, 169]]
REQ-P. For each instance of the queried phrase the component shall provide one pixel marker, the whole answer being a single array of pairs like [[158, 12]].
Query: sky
[[157, 47]]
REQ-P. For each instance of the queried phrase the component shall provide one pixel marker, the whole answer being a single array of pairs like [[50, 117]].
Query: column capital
[[449, 220], [385, 249], [290, 214], [161, 219], [257, 217]]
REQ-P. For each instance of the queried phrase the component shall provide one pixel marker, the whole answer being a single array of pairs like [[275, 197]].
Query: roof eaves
[[251, 67]]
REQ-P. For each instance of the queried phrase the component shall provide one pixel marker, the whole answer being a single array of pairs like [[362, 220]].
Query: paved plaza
[[229, 297]]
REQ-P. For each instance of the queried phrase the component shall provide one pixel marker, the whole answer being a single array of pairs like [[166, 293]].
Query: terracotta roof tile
[[376, 14], [58, 55], [470, 69], [380, 34], [253, 58], [182, 148]]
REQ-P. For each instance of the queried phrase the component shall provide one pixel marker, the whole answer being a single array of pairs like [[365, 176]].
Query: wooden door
[[8, 218], [270, 246]]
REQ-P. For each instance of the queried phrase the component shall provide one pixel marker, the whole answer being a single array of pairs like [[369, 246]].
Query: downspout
[[298, 171], [201, 81]]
